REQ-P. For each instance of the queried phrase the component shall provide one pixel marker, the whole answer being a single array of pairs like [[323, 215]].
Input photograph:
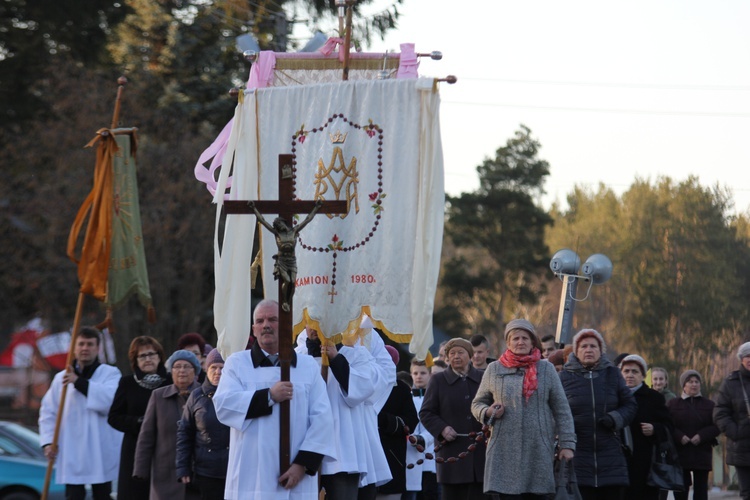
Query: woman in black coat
[[694, 433], [732, 415], [650, 426], [203, 441], [146, 357], [446, 414], [601, 405]]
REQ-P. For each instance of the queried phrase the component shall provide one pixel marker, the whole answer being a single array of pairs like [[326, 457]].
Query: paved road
[[723, 495], [715, 494]]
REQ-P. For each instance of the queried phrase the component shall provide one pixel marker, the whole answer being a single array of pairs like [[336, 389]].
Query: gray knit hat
[[213, 357], [586, 333], [187, 356], [522, 324], [743, 351], [634, 358], [687, 374]]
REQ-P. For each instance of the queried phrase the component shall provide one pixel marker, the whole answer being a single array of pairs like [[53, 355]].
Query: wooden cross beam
[[285, 207]]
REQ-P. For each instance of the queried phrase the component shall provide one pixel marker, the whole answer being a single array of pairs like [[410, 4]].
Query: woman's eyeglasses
[[147, 355]]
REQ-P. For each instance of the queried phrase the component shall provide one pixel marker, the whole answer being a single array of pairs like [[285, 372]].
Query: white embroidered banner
[[376, 145]]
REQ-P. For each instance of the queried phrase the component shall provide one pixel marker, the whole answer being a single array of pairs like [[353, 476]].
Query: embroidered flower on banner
[[301, 134], [377, 200], [337, 244]]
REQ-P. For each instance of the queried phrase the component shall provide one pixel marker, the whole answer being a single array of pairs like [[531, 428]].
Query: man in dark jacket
[[446, 414], [732, 415]]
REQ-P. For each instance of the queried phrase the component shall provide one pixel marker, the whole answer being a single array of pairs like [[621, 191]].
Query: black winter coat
[[693, 416], [399, 411], [202, 441], [651, 410], [447, 401], [592, 394], [731, 415], [125, 415]]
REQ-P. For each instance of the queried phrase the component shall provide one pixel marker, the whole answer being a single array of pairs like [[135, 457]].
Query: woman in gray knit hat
[[157, 442], [695, 434], [650, 426], [522, 400]]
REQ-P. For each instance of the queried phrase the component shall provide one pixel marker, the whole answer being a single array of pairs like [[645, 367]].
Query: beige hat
[[459, 342], [522, 324]]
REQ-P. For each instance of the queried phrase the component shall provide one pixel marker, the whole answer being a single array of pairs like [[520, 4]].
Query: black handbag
[[626, 441], [666, 472], [566, 485]]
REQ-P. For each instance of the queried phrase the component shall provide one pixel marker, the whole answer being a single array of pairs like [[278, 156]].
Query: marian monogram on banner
[[338, 176], [338, 160]]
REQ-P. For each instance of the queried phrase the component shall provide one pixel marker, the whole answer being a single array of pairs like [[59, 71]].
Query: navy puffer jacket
[[202, 441], [592, 394]]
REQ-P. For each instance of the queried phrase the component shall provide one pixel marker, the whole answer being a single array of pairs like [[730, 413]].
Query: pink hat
[[394, 353]]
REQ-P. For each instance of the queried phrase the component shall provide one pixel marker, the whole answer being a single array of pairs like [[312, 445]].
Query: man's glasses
[[147, 355]]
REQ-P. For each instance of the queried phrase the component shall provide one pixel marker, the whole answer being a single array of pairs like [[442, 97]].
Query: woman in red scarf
[[523, 402]]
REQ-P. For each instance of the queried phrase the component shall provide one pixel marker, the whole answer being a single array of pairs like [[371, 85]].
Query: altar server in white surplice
[[420, 478], [350, 381], [89, 448], [384, 379], [246, 400]]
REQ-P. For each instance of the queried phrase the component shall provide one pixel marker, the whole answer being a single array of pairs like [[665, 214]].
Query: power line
[[605, 110], [655, 86]]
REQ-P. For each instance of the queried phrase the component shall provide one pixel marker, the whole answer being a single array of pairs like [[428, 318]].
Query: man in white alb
[[246, 400]]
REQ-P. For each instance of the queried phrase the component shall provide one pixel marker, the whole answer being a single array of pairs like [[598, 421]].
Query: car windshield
[[19, 440], [23, 434]]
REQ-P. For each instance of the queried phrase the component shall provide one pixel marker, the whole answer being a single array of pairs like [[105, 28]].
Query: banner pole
[[116, 115], [68, 363]]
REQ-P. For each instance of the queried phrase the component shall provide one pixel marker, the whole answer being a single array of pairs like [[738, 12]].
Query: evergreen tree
[[498, 236]]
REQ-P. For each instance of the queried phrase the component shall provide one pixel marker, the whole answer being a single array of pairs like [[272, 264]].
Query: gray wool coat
[[520, 452], [155, 453]]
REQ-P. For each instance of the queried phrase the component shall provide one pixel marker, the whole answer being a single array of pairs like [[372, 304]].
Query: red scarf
[[530, 382]]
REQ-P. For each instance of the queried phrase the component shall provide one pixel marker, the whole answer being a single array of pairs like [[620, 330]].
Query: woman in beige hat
[[446, 414], [522, 400]]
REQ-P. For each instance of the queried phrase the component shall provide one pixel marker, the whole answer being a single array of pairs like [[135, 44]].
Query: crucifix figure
[[285, 268], [286, 265]]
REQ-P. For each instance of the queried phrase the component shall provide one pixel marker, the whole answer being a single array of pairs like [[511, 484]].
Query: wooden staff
[[347, 39], [116, 114], [68, 364]]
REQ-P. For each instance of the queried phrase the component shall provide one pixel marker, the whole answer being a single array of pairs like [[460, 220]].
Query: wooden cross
[[285, 207]]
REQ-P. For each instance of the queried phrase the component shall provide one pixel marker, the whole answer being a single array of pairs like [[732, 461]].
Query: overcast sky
[[612, 90]]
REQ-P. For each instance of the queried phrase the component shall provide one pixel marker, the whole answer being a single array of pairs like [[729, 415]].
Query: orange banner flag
[[93, 264]]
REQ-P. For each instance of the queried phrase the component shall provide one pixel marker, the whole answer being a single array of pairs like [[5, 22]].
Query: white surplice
[[253, 470], [414, 475], [349, 412], [89, 448], [384, 378]]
